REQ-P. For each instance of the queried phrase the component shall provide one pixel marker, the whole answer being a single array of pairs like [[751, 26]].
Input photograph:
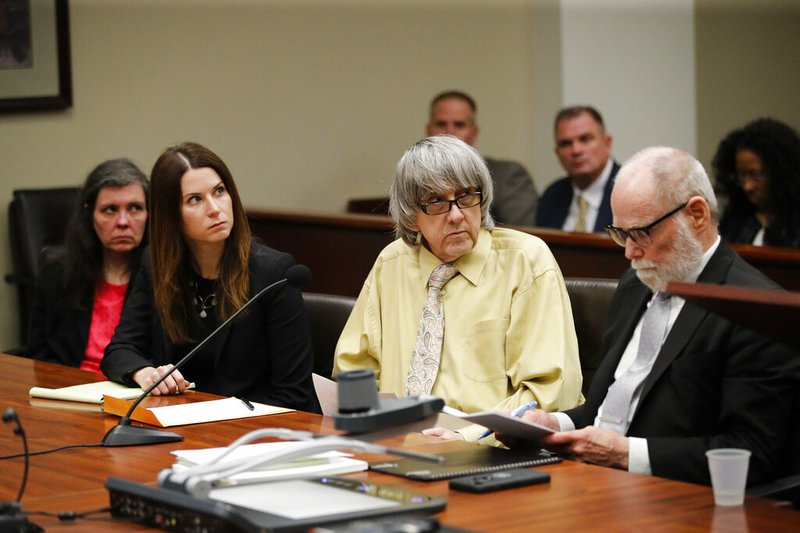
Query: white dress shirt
[[593, 195]]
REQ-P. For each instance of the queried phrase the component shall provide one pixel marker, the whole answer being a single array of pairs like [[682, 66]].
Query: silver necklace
[[203, 302]]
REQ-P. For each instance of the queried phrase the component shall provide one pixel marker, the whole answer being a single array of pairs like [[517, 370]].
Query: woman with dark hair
[[758, 168], [201, 267], [81, 289]]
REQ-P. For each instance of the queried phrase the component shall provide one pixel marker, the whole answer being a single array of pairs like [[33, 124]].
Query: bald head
[[663, 178], [666, 195]]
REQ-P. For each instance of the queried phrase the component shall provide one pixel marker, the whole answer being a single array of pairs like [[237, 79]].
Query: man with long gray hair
[[476, 315]]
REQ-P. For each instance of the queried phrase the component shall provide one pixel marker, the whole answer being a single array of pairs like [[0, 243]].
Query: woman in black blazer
[[201, 267]]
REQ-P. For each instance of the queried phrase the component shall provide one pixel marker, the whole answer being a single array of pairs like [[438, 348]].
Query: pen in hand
[[247, 404], [516, 413]]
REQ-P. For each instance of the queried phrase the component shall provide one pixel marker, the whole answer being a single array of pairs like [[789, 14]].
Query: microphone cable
[[51, 450]]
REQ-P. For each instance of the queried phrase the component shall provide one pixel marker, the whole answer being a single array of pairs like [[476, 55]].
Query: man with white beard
[[677, 380]]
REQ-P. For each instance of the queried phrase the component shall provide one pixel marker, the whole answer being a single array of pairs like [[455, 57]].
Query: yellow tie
[[580, 225]]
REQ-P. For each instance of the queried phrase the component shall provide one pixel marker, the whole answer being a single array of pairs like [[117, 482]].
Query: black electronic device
[[289, 505], [124, 434], [361, 411], [505, 479], [12, 519]]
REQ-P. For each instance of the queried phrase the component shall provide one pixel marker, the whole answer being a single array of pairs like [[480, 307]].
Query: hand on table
[[174, 384]]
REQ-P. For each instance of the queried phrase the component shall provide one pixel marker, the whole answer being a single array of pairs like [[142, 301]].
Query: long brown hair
[[171, 256]]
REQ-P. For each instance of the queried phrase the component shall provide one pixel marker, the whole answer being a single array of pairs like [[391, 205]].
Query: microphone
[[10, 415], [124, 434], [11, 516], [361, 411]]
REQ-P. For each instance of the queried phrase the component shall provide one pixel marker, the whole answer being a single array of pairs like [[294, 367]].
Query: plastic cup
[[728, 468]]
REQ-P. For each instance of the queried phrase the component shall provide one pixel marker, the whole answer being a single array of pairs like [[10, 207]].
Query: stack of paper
[[322, 464], [192, 412]]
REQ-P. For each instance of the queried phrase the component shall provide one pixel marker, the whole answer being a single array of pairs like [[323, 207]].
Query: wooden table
[[579, 497]]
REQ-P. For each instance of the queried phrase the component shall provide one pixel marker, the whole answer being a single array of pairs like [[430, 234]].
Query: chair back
[[36, 218], [590, 299], [327, 315]]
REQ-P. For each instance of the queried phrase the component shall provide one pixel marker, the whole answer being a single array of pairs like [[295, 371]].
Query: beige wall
[[748, 66], [311, 102]]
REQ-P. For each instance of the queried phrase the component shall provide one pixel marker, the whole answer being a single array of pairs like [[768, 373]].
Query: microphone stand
[[124, 434]]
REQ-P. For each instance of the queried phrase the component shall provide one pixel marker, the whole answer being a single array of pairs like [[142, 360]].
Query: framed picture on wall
[[35, 69]]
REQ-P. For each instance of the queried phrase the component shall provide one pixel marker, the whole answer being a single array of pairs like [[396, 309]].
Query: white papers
[[321, 464], [509, 426], [211, 411], [88, 392]]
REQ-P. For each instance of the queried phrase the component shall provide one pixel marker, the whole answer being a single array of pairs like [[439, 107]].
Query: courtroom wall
[[313, 101]]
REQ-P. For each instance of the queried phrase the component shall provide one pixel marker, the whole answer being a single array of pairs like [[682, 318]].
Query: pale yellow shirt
[[509, 337]]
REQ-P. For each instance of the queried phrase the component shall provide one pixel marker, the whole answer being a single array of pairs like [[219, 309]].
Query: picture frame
[[35, 64]]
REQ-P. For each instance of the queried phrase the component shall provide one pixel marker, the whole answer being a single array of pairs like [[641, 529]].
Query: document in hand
[[506, 424], [321, 464]]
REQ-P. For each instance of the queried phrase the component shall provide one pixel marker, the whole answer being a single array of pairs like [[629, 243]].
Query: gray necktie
[[428, 347], [620, 394]]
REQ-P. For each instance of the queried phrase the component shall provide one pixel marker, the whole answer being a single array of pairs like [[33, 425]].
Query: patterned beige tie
[[428, 347], [583, 206]]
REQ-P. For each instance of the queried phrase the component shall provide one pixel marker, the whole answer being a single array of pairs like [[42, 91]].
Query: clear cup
[[728, 468]]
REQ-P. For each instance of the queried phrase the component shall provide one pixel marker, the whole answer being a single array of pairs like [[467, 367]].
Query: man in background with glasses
[[677, 380], [457, 308]]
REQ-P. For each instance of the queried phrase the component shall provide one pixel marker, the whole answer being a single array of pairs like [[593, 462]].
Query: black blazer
[[714, 384], [554, 203], [264, 355], [59, 331]]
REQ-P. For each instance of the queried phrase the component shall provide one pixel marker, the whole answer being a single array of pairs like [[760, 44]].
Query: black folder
[[469, 459]]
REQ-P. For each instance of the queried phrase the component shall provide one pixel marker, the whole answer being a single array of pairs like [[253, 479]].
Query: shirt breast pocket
[[486, 351]]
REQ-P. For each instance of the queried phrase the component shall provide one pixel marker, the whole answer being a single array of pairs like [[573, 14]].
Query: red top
[[108, 300]]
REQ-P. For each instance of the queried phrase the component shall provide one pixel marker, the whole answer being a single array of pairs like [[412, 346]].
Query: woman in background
[[758, 168], [201, 267], [81, 290]]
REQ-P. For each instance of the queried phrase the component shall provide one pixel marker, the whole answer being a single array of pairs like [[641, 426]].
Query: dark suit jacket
[[59, 330], [713, 385], [515, 195], [554, 203], [264, 355]]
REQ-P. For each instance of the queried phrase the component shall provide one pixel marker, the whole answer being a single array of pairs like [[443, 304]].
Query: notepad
[[87, 392], [321, 464], [468, 459]]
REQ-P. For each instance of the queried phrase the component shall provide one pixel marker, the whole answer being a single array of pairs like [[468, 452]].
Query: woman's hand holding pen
[[174, 384]]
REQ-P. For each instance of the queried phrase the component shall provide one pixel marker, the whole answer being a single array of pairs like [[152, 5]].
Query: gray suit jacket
[[515, 195]]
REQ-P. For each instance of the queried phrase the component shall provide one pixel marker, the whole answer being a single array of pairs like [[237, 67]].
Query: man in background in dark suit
[[515, 198], [708, 383], [580, 201]]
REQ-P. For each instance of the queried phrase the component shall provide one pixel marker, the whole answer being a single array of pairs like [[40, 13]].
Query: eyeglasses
[[641, 234], [440, 207], [755, 175]]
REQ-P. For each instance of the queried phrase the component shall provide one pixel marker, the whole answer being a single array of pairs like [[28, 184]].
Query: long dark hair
[[170, 255], [778, 147], [83, 252]]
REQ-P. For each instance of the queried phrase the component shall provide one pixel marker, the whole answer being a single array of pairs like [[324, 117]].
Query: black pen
[[247, 404]]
